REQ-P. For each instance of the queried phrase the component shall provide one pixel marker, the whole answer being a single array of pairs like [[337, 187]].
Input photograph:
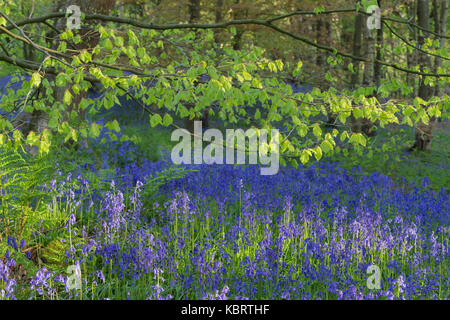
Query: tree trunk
[[424, 131], [194, 11], [238, 13], [368, 40], [357, 34], [411, 55], [194, 17], [323, 35], [319, 55], [377, 73], [39, 119], [440, 27], [360, 124], [219, 18]]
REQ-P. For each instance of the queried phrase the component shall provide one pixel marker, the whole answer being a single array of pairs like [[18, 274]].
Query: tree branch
[[260, 22], [411, 45]]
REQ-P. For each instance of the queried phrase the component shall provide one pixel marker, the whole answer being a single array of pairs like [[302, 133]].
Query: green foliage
[[150, 191], [387, 154], [243, 88], [150, 141], [21, 181], [234, 80]]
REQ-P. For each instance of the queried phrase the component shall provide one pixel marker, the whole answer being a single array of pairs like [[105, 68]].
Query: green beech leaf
[[155, 120]]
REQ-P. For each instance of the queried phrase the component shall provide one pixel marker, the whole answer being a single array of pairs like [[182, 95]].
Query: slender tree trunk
[[425, 91], [357, 35], [423, 131], [411, 55], [194, 11], [319, 30], [368, 40], [440, 27], [194, 17], [238, 13], [323, 35], [360, 124], [219, 17], [377, 73]]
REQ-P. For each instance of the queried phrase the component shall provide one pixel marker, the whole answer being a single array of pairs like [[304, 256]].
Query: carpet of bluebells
[[217, 232], [138, 229]]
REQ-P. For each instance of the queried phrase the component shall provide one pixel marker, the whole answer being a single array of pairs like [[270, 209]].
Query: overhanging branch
[[261, 22]]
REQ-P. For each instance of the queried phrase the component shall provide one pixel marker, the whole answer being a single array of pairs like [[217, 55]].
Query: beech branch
[[267, 23]]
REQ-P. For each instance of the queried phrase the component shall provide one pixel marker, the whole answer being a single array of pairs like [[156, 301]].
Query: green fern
[[21, 179]]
